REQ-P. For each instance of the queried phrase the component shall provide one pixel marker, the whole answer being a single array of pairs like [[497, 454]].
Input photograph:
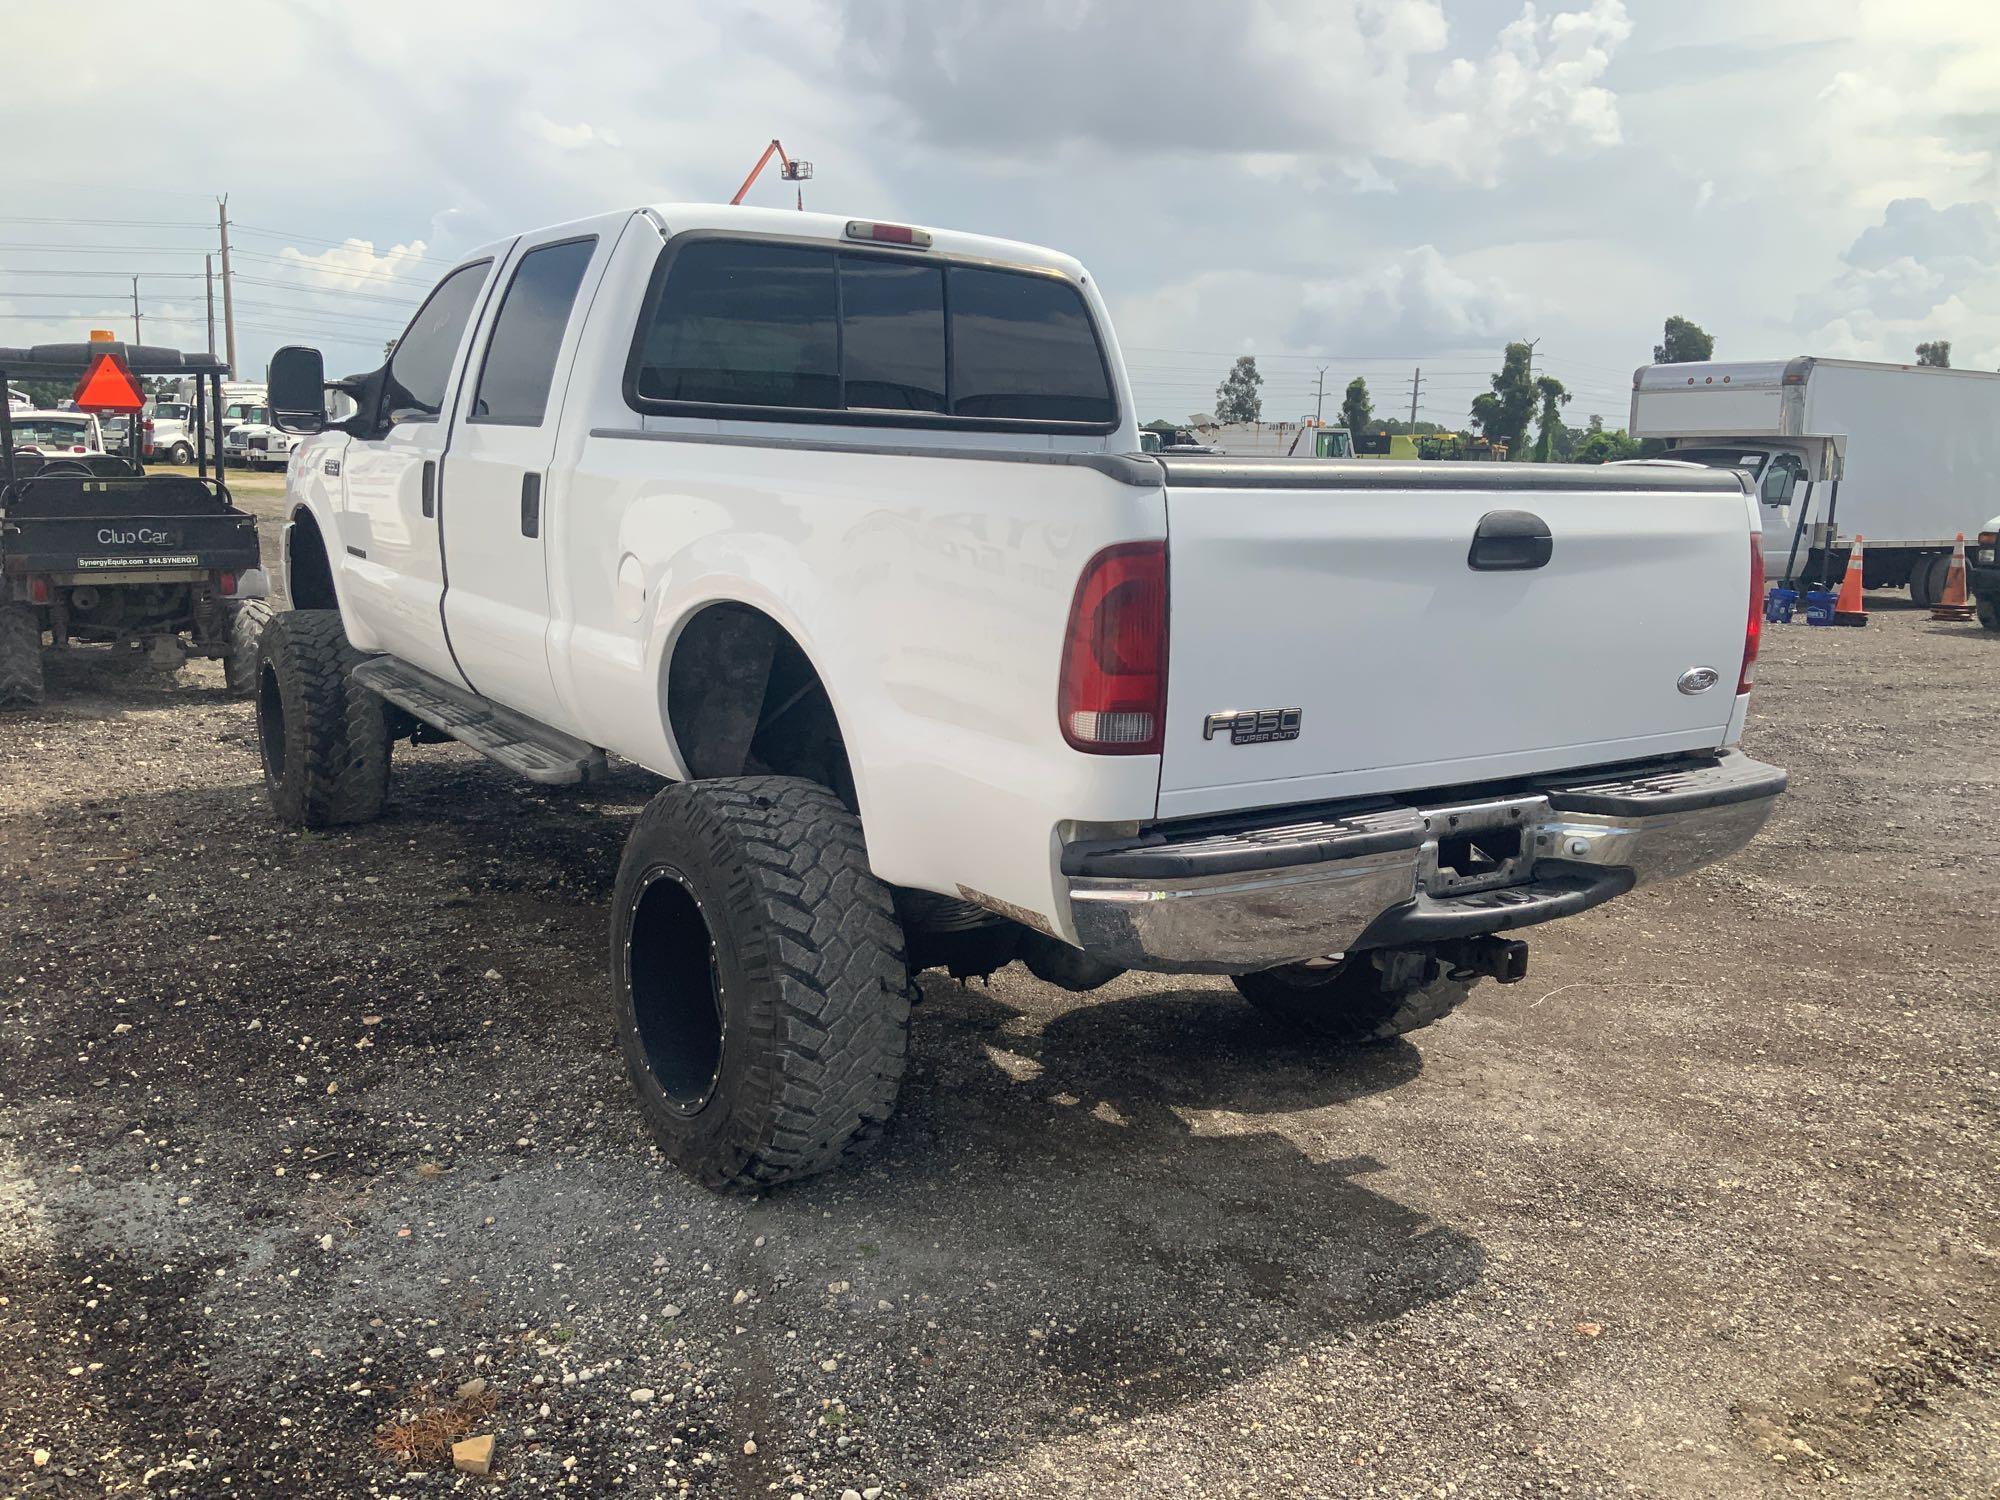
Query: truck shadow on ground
[[1089, 1208]]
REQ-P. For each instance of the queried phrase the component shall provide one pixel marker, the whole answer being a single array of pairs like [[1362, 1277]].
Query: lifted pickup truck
[[93, 550], [843, 527]]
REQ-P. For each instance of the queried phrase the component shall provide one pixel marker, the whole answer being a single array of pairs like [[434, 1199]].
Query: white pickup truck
[[844, 528]]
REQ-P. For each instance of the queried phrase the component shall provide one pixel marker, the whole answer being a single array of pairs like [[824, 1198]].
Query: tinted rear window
[[892, 318], [745, 325], [1022, 347], [752, 325], [521, 355]]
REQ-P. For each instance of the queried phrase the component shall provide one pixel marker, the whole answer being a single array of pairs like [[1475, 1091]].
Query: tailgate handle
[[1510, 541]]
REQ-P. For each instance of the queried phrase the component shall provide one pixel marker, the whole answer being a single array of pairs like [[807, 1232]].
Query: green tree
[[1237, 399], [1355, 410], [1685, 342], [1502, 414], [1601, 445], [1936, 353], [1553, 395]]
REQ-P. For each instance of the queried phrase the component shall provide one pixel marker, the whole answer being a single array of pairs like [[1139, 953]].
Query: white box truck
[[1904, 456]]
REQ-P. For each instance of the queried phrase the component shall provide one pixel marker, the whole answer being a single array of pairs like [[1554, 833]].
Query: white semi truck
[[1903, 456]]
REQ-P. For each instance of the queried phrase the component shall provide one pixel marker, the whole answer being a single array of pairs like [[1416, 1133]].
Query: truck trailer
[[1904, 456]]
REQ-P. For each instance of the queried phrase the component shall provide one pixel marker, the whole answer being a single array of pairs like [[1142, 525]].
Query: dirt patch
[[294, 1127]]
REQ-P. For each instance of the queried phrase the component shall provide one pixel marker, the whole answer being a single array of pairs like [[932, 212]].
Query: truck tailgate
[[1344, 591]]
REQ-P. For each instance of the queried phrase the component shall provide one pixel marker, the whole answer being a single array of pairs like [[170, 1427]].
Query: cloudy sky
[[1365, 185]]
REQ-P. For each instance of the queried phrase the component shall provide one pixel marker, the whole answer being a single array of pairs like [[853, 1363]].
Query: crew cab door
[[496, 605], [393, 559]]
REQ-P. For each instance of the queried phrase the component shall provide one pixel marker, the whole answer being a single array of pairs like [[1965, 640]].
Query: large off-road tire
[[20, 656], [323, 738], [1345, 1002], [1987, 607], [758, 981], [247, 620]]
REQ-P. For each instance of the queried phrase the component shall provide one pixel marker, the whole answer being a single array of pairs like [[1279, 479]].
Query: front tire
[[1987, 607], [758, 980], [1344, 1001], [20, 656], [180, 454], [323, 738]]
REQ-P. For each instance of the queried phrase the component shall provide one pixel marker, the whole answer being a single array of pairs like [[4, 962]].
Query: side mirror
[[296, 388]]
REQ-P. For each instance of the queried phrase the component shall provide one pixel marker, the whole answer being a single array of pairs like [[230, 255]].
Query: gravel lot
[[300, 1133]]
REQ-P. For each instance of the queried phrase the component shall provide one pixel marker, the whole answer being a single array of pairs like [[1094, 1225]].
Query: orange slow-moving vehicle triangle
[[108, 386]]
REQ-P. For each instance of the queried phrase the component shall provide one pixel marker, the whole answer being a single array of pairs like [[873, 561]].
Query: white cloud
[[570, 137], [1921, 273], [1350, 87]]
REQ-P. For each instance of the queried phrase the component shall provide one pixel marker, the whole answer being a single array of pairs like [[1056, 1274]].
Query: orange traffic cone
[[1848, 608], [1952, 603]]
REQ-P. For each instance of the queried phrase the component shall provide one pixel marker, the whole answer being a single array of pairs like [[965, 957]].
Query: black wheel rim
[[675, 989], [271, 724]]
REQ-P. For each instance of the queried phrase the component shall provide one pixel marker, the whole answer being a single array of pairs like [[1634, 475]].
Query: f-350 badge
[[1254, 726]]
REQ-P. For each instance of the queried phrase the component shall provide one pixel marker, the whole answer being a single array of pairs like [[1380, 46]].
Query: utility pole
[[1416, 384], [135, 312], [228, 290], [208, 275], [1319, 402]]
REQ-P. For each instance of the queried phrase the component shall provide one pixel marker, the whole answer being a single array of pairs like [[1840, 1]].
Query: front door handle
[[531, 505], [430, 487]]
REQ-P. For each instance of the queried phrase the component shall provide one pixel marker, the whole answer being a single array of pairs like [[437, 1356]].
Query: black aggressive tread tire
[[1987, 607], [324, 741], [814, 1003], [1343, 1003], [247, 620], [20, 656]]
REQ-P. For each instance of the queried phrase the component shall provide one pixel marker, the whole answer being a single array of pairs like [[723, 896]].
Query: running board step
[[514, 740]]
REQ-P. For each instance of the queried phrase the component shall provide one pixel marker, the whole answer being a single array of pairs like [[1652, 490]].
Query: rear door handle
[[1510, 541], [531, 505], [430, 487]]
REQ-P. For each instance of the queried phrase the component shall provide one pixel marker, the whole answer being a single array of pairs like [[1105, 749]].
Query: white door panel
[[496, 485]]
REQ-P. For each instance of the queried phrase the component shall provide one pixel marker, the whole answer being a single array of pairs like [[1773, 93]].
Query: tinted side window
[[521, 355], [743, 324], [892, 331], [422, 362], [1022, 347]]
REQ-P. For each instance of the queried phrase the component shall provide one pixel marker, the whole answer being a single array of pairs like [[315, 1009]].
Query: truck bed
[[72, 524]]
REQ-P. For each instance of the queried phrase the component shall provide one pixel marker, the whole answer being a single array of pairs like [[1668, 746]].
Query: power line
[[301, 263], [41, 273], [327, 291], [106, 223]]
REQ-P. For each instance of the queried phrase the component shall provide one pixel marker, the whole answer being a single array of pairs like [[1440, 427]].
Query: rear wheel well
[[744, 699], [308, 571]]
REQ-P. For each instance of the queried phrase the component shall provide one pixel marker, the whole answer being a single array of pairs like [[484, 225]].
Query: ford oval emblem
[[1698, 680]]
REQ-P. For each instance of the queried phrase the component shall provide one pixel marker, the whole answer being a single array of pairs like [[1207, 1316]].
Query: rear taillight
[[225, 584], [1113, 696], [1753, 628]]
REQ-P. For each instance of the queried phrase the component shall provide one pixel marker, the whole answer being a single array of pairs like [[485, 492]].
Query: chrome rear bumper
[[1246, 893]]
